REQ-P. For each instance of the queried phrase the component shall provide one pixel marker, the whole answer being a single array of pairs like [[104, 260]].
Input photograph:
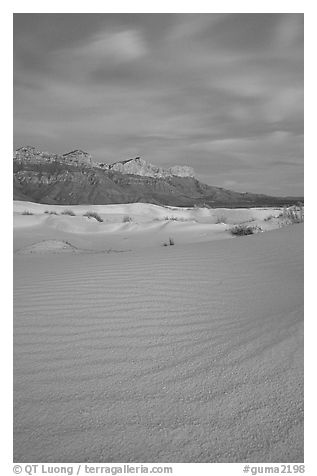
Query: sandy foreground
[[136, 352]]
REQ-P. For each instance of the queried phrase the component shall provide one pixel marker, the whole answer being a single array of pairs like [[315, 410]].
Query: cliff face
[[30, 155], [74, 179], [79, 157], [138, 166]]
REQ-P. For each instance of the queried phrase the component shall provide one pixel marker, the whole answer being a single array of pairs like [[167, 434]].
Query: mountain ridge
[[133, 166], [138, 166], [73, 178]]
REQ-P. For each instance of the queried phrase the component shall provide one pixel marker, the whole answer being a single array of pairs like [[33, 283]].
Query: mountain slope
[[74, 179], [139, 166]]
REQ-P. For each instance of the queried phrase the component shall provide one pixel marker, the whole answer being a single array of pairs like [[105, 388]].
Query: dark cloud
[[220, 92]]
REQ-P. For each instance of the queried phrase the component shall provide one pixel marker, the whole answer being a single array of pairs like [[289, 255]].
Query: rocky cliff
[[140, 167], [29, 154], [73, 178]]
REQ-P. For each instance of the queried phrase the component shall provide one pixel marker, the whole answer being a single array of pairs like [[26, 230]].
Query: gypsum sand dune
[[149, 225], [49, 246], [190, 353], [147, 212], [58, 246]]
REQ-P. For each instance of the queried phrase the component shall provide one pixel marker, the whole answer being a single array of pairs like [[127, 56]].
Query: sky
[[222, 93]]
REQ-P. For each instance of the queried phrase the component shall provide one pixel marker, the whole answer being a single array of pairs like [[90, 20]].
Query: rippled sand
[[186, 353]]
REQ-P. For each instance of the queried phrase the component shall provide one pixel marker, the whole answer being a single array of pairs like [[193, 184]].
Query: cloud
[[118, 46], [220, 92]]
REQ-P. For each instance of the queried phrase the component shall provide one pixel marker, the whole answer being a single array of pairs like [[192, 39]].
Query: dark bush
[[93, 215], [242, 230], [68, 212]]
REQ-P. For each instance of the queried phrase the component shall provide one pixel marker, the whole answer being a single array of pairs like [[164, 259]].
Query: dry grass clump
[[174, 218], [170, 242], [242, 230], [49, 212], [69, 212], [126, 219], [93, 215], [294, 214], [221, 219], [27, 212]]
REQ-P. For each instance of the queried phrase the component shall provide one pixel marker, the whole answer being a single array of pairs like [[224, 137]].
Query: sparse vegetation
[[49, 212], [170, 242], [93, 215], [173, 218], [68, 212], [27, 212], [242, 230], [294, 214], [126, 219], [221, 219]]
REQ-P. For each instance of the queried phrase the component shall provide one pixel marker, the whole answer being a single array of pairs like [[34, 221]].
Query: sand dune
[[49, 246], [150, 225], [147, 212], [185, 353]]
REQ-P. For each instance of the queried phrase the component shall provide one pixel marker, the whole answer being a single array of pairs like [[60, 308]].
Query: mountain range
[[74, 178]]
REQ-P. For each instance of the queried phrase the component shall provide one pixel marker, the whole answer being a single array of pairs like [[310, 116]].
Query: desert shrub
[[167, 218], [93, 215], [68, 212], [27, 212], [173, 218], [126, 219], [242, 230], [294, 214], [221, 219], [49, 212], [170, 242]]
